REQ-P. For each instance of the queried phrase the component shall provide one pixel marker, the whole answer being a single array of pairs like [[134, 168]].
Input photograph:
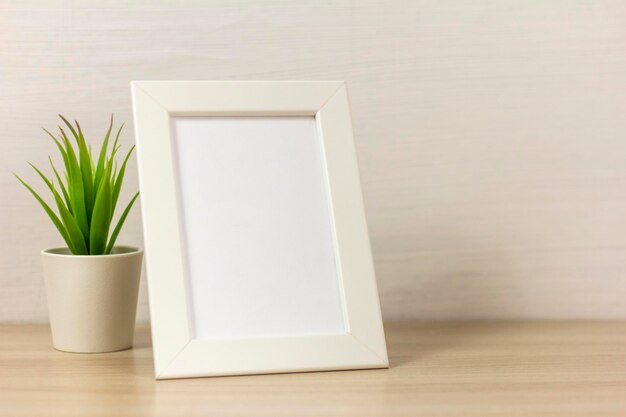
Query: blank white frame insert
[[205, 149], [255, 202]]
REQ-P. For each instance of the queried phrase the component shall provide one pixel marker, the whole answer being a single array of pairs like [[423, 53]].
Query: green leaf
[[73, 231], [102, 156], [119, 225], [85, 168], [61, 149], [117, 186], [66, 196], [55, 219], [76, 189], [66, 164], [117, 137], [69, 125], [93, 169], [101, 219]]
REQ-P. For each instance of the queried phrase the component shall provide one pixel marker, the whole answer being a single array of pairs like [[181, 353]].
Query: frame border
[[176, 353]]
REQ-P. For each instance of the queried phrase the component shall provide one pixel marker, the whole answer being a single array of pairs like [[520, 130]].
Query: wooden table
[[437, 369]]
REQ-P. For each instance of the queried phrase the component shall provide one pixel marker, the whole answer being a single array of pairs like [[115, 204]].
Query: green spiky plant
[[86, 200]]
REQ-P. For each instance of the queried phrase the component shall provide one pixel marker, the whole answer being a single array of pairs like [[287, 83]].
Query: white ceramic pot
[[92, 300]]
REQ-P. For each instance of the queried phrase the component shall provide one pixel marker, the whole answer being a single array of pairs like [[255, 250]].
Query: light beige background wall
[[491, 134]]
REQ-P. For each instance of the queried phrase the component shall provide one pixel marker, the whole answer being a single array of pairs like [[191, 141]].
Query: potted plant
[[91, 284]]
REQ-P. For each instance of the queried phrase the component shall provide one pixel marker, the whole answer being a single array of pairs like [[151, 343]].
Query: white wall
[[491, 134]]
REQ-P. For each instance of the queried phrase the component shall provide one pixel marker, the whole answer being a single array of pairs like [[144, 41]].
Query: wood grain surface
[[469, 369], [491, 134]]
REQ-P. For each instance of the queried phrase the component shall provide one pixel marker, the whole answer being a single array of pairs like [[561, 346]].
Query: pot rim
[[127, 251]]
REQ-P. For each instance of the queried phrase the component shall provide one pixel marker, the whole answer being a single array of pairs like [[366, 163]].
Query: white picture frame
[[157, 105]]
